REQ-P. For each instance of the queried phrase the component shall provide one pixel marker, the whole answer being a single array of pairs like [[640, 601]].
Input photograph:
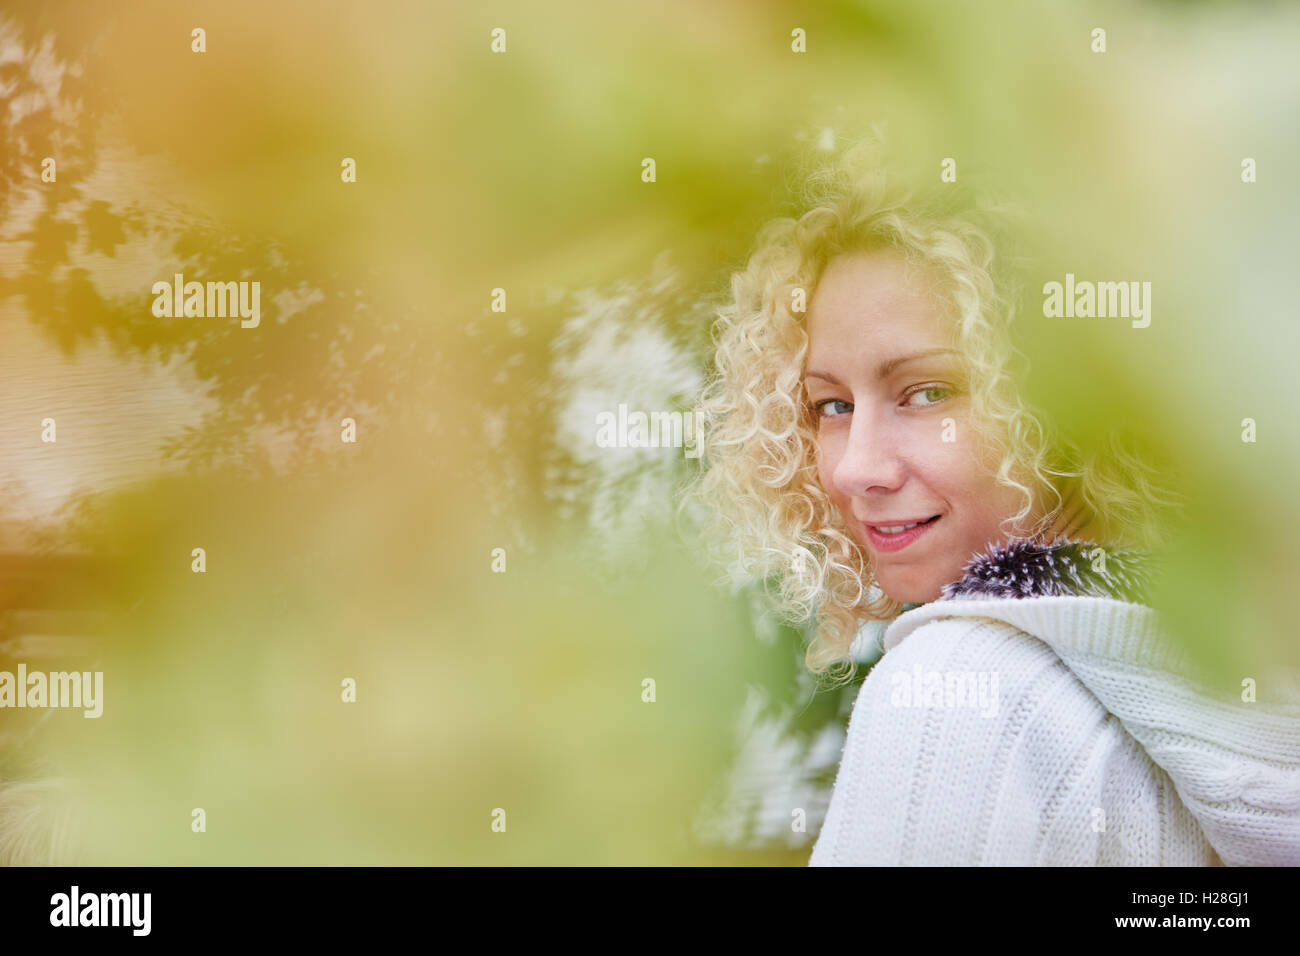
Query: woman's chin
[[908, 590]]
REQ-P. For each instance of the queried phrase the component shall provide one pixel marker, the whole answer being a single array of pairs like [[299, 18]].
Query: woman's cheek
[[826, 478], [825, 458]]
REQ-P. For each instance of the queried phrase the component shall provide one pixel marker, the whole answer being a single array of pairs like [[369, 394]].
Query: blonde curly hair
[[771, 521]]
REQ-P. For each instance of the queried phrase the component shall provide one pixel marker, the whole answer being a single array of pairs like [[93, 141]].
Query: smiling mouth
[[888, 538], [899, 528]]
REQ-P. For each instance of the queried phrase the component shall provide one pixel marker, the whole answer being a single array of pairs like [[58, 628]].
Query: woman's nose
[[870, 462]]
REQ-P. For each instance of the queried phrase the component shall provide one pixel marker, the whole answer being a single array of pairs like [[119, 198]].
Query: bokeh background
[[523, 690]]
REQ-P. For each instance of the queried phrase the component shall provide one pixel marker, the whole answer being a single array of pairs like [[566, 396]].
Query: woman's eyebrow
[[885, 367]]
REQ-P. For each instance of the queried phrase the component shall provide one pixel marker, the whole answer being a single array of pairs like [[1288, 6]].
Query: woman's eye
[[821, 407], [934, 394]]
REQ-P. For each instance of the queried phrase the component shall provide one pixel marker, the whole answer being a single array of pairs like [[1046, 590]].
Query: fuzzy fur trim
[[1023, 568]]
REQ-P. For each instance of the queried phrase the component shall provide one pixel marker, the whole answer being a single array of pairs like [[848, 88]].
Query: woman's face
[[895, 443]]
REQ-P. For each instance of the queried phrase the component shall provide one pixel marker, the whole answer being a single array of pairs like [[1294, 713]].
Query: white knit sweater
[[1090, 747]]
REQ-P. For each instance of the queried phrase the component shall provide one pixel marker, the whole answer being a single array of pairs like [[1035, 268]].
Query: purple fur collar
[[1023, 568]]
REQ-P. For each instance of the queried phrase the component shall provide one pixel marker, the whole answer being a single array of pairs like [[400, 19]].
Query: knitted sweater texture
[[1028, 719]]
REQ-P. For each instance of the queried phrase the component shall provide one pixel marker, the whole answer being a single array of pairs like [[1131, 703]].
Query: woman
[[868, 453]]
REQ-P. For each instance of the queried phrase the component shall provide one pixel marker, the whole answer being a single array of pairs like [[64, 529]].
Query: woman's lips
[[888, 543]]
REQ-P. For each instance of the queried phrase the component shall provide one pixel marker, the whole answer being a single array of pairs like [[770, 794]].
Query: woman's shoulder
[[1071, 663], [971, 742], [1020, 671]]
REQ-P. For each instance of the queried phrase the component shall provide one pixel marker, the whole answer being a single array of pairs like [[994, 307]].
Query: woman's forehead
[[872, 310], [870, 285]]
